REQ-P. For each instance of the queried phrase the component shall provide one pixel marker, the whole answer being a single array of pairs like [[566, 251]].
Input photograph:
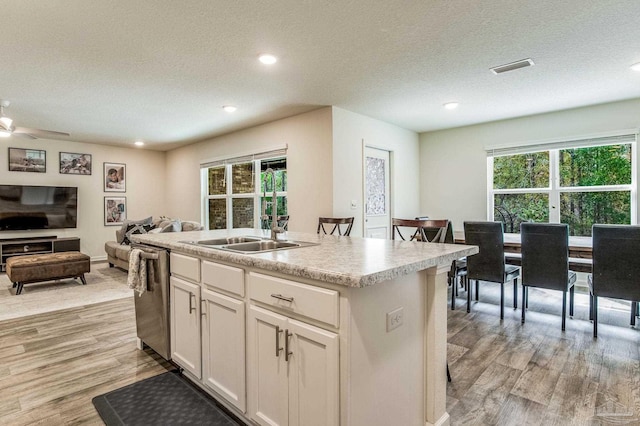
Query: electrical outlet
[[395, 318], [354, 204]]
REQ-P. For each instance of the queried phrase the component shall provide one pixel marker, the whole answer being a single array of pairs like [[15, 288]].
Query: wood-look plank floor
[[53, 364], [504, 373], [508, 373]]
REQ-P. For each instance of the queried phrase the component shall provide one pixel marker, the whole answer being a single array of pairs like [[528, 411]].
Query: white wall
[[144, 178], [453, 173], [324, 163], [349, 132], [309, 166]]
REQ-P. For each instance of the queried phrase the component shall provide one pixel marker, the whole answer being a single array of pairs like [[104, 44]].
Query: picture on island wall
[[115, 210], [27, 160], [114, 174], [75, 164]]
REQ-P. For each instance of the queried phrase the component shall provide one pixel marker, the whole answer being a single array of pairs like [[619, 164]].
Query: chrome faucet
[[275, 229]]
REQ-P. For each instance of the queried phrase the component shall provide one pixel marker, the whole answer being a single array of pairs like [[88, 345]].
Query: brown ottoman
[[44, 267]]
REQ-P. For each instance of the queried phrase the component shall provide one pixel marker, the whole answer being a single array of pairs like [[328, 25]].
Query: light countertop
[[348, 261]]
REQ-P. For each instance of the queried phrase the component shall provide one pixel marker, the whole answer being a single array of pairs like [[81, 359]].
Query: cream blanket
[[137, 278]]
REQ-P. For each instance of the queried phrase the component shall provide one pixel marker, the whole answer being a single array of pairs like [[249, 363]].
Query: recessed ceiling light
[[229, 108], [636, 67], [451, 105], [267, 59], [138, 143]]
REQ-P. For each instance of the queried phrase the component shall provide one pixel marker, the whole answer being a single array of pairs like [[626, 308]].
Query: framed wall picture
[[75, 164], [114, 177], [115, 210], [27, 160]]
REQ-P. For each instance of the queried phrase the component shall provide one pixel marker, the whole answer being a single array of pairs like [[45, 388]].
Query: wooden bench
[[23, 270]]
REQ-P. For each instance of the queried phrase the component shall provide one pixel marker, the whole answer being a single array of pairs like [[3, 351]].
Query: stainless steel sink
[[225, 241], [248, 245], [264, 245]]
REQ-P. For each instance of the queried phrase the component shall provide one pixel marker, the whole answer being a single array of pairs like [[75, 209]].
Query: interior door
[[377, 217]]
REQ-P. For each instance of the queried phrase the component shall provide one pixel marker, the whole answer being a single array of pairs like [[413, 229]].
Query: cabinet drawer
[[185, 266], [314, 302], [223, 277]]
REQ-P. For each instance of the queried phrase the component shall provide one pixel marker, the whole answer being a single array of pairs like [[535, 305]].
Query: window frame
[[554, 190], [229, 196]]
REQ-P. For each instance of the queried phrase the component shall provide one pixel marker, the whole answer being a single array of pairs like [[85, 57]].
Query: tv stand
[[37, 245], [44, 237]]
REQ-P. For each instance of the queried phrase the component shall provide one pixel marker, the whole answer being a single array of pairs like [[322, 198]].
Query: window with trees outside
[[237, 193], [579, 183]]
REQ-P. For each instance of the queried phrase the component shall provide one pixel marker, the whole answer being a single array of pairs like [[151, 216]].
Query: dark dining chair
[[438, 229], [488, 264], [616, 270], [458, 271], [545, 262], [341, 224]]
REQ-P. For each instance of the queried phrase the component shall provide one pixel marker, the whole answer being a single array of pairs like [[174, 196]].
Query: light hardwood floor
[[52, 364], [506, 373]]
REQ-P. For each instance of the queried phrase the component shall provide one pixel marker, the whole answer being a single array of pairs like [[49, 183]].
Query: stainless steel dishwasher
[[152, 306]]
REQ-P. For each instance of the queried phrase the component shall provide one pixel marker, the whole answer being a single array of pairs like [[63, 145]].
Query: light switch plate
[[395, 318]]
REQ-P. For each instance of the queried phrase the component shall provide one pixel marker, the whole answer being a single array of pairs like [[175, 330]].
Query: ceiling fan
[[7, 128]]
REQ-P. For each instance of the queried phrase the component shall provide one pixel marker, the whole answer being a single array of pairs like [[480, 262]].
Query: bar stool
[[337, 223], [438, 226], [283, 222], [458, 271]]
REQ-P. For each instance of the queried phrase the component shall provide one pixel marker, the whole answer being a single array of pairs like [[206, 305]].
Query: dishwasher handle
[[149, 256]]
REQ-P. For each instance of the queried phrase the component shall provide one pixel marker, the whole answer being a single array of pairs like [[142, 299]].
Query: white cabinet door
[[314, 392], [185, 325], [268, 382], [223, 347], [298, 388]]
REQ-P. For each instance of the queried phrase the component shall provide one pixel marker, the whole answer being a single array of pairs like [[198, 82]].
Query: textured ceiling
[[116, 71]]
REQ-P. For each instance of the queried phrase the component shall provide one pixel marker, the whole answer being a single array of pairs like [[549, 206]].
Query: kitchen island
[[347, 331]]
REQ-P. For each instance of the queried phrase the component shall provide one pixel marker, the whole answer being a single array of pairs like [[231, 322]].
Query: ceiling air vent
[[523, 63]]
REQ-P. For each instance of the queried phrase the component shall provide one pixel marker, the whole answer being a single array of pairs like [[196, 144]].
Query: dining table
[[580, 251]]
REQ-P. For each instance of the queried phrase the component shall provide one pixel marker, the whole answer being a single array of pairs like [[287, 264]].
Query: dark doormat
[[166, 399]]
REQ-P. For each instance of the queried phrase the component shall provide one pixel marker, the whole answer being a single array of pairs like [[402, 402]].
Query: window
[[233, 191], [579, 183]]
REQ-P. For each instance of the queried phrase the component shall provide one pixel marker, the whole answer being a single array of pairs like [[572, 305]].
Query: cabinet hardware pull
[[281, 297], [287, 354], [203, 309], [278, 348], [191, 307]]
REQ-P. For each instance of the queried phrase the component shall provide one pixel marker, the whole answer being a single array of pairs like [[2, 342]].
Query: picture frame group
[[74, 163], [35, 161]]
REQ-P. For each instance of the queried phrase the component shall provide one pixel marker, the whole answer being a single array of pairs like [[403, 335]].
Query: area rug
[[166, 399], [103, 284]]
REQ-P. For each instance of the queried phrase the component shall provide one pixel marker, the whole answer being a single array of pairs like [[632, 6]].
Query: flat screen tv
[[24, 207]]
